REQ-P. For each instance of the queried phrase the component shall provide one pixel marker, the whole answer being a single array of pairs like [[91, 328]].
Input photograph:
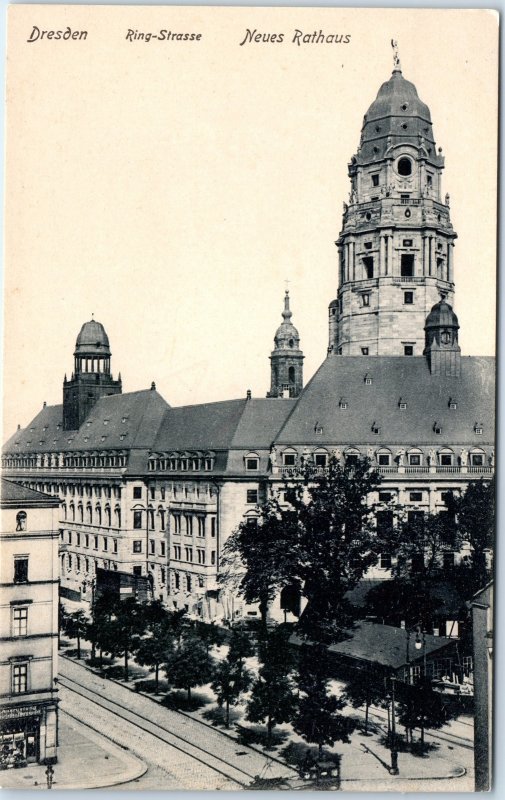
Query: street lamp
[[394, 752], [420, 644]]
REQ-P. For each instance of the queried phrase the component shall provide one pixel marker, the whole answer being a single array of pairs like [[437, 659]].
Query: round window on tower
[[404, 166]]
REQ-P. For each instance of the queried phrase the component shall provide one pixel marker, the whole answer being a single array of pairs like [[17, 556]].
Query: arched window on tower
[[291, 374]]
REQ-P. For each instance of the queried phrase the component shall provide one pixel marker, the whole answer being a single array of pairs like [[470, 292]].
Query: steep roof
[[13, 494], [426, 396], [135, 416], [223, 425]]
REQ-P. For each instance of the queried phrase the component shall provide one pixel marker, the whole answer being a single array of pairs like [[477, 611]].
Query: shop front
[[27, 735]]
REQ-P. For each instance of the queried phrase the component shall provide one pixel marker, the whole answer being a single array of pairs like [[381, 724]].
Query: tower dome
[[286, 358], [441, 316], [286, 335], [92, 339]]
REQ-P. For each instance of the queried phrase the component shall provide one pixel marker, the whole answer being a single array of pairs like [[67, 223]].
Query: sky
[[170, 188]]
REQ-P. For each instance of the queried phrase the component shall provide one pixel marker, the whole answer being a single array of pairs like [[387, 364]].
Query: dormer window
[[478, 428], [318, 429], [343, 403], [376, 428], [453, 404], [368, 380], [252, 462], [106, 422], [437, 428], [384, 459], [402, 405]]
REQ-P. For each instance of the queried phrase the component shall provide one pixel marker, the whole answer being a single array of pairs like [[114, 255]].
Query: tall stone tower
[[395, 246], [91, 378], [287, 358]]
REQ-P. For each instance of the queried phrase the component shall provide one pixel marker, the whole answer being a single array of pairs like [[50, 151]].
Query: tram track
[[237, 775]]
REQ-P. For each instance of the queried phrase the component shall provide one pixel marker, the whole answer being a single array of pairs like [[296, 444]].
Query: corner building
[[154, 491]]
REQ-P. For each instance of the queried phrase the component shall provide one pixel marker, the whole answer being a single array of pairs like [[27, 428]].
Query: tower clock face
[[445, 337]]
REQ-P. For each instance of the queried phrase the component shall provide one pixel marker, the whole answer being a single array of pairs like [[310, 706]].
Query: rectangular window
[[162, 548], [20, 570], [152, 547], [177, 580], [477, 460], [365, 299], [78, 537], [407, 243], [351, 459], [213, 527], [188, 583], [415, 497], [201, 526], [385, 561], [189, 554], [70, 537], [137, 546], [384, 459], [137, 571], [201, 581], [384, 521], [408, 298], [86, 540], [150, 517], [177, 552], [177, 523], [446, 459], [414, 459], [289, 459], [86, 564], [213, 557], [152, 492], [20, 621], [189, 525], [114, 545], [137, 492], [78, 563], [95, 542], [375, 180], [408, 350], [137, 520], [208, 464], [320, 459], [252, 464], [368, 267], [201, 556], [252, 496], [162, 574], [385, 497], [105, 543], [364, 351], [19, 678], [407, 265], [162, 492]]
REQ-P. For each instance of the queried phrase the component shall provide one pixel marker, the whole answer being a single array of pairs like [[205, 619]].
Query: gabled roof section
[[120, 421], [14, 495], [210, 426], [261, 421], [426, 397]]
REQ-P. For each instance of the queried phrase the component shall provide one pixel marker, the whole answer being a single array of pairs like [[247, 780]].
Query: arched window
[[477, 458], [252, 462], [384, 457], [352, 455], [21, 521], [321, 458], [98, 515], [291, 374], [81, 513], [289, 457], [415, 457], [117, 513], [89, 515], [445, 457], [107, 516]]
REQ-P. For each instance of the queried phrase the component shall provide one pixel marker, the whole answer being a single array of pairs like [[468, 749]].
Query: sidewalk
[[86, 760]]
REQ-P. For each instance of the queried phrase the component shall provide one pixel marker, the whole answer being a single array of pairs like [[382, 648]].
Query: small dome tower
[[287, 358], [91, 378], [441, 340]]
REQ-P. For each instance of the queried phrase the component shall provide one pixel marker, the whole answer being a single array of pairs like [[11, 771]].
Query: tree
[[362, 690], [120, 624], [323, 542], [189, 664], [163, 627], [210, 633], [229, 683], [273, 692], [318, 720], [62, 621], [421, 707], [76, 627], [476, 521], [257, 560], [240, 647], [338, 543]]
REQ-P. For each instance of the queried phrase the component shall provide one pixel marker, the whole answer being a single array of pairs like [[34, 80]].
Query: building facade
[[28, 626], [155, 491]]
